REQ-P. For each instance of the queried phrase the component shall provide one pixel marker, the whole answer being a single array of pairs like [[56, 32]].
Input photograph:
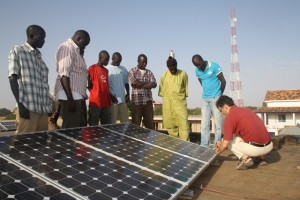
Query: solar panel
[[120, 161], [7, 126]]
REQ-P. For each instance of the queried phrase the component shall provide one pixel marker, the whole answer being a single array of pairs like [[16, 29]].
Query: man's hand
[[23, 112], [218, 147], [114, 100], [127, 98], [54, 117]]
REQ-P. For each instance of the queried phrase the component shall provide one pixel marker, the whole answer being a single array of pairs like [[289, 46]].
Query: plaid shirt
[[140, 96], [27, 63]]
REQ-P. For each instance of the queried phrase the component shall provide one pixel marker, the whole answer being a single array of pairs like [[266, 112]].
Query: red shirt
[[246, 124], [99, 93]]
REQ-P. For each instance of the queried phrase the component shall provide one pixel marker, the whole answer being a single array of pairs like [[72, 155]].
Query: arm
[[221, 146], [127, 96], [55, 115], [149, 85], [13, 80], [223, 82], [199, 79], [186, 81], [65, 82]]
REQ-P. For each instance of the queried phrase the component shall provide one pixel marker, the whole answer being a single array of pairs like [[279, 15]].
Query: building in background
[[281, 108]]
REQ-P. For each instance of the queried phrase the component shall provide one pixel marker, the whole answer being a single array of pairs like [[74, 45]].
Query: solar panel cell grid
[[100, 162]]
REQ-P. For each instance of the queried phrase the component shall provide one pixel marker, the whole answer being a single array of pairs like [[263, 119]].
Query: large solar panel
[[120, 161], [7, 126]]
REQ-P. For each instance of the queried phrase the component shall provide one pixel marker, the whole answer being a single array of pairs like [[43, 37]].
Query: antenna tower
[[235, 82]]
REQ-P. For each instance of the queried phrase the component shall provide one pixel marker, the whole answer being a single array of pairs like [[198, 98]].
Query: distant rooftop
[[282, 95]]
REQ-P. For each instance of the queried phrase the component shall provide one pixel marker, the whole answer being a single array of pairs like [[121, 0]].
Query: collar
[[29, 47], [73, 44]]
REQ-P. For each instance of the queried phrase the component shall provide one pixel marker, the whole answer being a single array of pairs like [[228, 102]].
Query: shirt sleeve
[[152, 78], [186, 83], [13, 65], [161, 86], [64, 61], [125, 75], [131, 77], [217, 69]]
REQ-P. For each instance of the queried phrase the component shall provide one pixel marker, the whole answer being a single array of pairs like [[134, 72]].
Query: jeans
[[209, 107]]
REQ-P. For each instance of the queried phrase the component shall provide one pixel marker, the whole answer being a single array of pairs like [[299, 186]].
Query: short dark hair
[[142, 56], [171, 61], [224, 100], [30, 29]]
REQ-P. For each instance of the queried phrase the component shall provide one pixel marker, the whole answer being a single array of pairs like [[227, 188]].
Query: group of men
[[108, 85]]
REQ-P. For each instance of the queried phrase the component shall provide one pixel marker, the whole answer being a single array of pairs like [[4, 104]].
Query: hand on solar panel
[[24, 112]]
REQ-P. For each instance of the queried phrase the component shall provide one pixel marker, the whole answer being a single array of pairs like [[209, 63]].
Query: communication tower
[[235, 82]]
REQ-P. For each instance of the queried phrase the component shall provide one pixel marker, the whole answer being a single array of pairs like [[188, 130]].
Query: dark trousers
[[144, 112], [103, 114], [73, 119]]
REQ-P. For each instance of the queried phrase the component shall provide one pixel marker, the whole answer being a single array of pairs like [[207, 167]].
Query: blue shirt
[[210, 82], [118, 77]]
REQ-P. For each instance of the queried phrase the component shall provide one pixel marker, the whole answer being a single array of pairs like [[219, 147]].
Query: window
[[281, 118]]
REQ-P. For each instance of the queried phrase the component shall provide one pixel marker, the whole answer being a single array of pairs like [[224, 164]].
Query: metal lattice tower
[[235, 82]]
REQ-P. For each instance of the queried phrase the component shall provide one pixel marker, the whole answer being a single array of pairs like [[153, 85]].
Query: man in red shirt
[[244, 133], [100, 100]]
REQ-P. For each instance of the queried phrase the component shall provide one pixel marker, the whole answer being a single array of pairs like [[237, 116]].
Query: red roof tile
[[282, 95]]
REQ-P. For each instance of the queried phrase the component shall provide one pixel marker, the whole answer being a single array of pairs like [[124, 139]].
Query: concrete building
[[281, 108]]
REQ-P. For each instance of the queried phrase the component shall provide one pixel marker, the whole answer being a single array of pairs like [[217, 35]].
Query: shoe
[[262, 163], [216, 163], [245, 164]]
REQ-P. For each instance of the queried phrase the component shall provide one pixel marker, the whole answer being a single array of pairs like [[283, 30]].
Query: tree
[[194, 111], [4, 112]]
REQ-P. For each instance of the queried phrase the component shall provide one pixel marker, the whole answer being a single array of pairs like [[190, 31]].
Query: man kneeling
[[244, 133]]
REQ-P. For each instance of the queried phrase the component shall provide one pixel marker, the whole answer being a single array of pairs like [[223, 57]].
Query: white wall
[[283, 104]]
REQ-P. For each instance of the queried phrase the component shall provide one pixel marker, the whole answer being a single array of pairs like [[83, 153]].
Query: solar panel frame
[[111, 155], [7, 126]]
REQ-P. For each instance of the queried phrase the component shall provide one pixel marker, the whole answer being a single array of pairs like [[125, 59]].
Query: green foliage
[[194, 111], [11, 116], [4, 112], [158, 110]]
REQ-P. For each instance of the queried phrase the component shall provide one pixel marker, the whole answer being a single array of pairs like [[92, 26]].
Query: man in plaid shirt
[[142, 81], [28, 78]]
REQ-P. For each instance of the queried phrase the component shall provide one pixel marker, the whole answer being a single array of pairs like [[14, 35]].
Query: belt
[[259, 145]]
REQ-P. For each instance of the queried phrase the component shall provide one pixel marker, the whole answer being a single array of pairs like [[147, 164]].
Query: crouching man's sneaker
[[245, 163]]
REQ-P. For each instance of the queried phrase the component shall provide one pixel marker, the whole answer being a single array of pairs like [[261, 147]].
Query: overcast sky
[[267, 38]]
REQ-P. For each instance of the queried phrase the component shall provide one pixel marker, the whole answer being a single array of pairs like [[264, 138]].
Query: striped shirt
[[71, 64], [27, 63], [141, 96]]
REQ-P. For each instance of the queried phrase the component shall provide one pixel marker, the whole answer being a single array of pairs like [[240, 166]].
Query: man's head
[[172, 65], [199, 62], [81, 38], [103, 58], [142, 61], [116, 59], [224, 103], [35, 36]]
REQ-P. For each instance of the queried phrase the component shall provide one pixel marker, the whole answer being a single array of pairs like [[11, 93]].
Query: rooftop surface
[[279, 180]]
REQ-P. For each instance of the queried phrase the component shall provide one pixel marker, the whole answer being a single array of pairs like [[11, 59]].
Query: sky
[[268, 38]]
